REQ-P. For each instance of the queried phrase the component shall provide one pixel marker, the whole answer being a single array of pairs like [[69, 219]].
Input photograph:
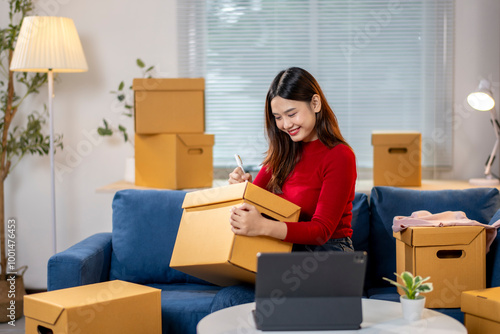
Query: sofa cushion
[[361, 225], [145, 224], [184, 305], [387, 202], [360, 222]]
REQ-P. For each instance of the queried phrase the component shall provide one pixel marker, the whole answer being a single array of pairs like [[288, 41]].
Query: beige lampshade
[[48, 42]]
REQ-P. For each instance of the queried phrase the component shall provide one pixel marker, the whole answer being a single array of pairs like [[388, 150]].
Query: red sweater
[[322, 184]]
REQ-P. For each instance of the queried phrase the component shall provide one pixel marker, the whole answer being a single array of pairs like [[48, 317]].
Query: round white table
[[379, 316]]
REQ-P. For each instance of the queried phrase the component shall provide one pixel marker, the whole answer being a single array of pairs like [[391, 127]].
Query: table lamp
[[49, 44], [482, 100]]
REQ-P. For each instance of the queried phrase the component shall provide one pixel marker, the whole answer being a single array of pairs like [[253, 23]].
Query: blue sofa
[[145, 224]]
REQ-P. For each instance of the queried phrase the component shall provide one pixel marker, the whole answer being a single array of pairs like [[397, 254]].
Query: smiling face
[[297, 118]]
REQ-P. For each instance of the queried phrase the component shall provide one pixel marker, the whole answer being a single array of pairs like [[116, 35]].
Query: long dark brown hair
[[283, 153]]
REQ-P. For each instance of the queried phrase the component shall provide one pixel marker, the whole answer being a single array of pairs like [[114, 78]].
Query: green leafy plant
[[412, 286], [127, 107], [20, 140]]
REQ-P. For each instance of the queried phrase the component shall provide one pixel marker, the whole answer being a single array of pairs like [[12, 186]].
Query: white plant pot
[[130, 170], [412, 308]]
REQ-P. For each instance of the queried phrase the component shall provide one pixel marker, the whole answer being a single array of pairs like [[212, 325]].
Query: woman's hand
[[246, 220], [237, 176]]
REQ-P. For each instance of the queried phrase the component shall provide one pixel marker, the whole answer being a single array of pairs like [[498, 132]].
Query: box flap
[[196, 140], [41, 310], [264, 198], [484, 303], [173, 84], [244, 190], [399, 138], [214, 195], [439, 236]]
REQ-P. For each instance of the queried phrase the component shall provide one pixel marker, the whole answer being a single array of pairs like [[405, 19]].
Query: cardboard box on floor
[[482, 311], [169, 105], [174, 161], [207, 248], [453, 256], [113, 307], [397, 158]]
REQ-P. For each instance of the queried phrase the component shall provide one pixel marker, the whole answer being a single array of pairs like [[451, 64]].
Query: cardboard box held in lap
[[207, 248], [113, 307], [453, 256]]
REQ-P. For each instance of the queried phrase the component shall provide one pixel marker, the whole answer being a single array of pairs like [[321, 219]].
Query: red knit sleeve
[[332, 217]]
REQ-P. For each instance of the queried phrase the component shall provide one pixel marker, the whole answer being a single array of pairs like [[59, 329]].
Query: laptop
[[309, 290]]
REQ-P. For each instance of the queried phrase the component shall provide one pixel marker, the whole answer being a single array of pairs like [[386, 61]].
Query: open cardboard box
[[112, 307], [174, 105], [482, 310], [207, 248], [453, 256]]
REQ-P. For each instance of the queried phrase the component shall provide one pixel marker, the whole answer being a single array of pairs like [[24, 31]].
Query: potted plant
[[125, 104], [412, 302], [16, 142], [124, 100]]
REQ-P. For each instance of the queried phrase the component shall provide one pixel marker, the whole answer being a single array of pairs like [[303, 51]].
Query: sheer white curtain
[[383, 65]]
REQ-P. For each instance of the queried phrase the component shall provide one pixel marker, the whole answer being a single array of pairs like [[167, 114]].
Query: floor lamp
[[49, 44], [482, 100]]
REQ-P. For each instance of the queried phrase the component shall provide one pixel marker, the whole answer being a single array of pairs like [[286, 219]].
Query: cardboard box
[[397, 158], [207, 248], [174, 161], [109, 307], [482, 311], [454, 257], [169, 105]]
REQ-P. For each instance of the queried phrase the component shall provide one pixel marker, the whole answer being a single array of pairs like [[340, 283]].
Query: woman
[[308, 163]]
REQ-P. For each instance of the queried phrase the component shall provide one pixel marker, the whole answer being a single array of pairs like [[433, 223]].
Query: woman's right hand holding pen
[[237, 176]]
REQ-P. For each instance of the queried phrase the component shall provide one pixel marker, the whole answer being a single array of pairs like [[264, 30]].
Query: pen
[[239, 162]]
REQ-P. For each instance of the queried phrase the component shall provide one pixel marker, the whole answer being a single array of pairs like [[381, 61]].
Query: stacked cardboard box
[[397, 158], [171, 149]]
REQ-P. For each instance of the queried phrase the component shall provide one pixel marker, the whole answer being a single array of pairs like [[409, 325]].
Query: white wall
[[114, 33], [477, 56]]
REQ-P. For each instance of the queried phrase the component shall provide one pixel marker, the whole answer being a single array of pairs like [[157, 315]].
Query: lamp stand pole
[[489, 179], [487, 170], [52, 174]]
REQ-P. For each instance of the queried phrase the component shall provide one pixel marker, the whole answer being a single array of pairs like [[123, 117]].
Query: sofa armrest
[[86, 262]]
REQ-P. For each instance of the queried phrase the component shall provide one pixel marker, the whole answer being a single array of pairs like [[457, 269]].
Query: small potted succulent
[[412, 302]]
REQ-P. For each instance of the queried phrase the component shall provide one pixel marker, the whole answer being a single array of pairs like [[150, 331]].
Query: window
[[383, 65]]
